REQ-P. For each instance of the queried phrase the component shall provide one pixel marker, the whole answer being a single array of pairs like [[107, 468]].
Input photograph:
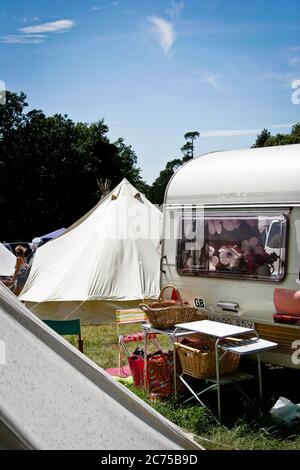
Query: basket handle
[[144, 307], [186, 348], [160, 298]]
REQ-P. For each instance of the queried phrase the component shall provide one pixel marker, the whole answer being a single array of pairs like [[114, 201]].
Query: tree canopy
[[49, 168], [157, 190], [265, 139], [188, 148]]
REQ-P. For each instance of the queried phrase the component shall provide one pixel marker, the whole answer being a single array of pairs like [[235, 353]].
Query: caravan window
[[232, 245]]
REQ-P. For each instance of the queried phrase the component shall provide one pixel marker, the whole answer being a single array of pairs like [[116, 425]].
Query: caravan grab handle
[[228, 306]]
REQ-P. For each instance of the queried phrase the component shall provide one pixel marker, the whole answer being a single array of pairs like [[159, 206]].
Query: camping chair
[[67, 327], [125, 317]]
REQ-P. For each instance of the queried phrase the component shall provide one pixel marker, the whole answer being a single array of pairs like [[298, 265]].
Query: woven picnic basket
[[199, 360], [167, 313]]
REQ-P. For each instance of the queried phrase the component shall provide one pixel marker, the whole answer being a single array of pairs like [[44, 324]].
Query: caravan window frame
[[209, 254]]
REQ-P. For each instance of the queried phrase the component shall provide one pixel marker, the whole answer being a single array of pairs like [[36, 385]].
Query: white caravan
[[231, 241]]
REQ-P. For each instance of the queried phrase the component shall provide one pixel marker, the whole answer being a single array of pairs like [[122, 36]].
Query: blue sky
[[156, 69]]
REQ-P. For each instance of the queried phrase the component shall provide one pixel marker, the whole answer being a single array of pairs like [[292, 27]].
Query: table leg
[[218, 379], [145, 358], [175, 372], [260, 379]]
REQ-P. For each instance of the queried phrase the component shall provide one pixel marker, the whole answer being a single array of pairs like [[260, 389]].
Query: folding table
[[220, 331]]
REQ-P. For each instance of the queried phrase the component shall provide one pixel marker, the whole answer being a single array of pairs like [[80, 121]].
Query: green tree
[[157, 190], [49, 168], [188, 148], [262, 138], [12, 113], [265, 139]]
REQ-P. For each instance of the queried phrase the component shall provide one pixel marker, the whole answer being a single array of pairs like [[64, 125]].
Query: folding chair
[[126, 317], [67, 327]]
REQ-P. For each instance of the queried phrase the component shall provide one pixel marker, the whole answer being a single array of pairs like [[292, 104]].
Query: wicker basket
[[167, 313], [199, 359]]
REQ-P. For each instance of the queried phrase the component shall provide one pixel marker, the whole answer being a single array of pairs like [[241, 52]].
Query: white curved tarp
[[108, 259], [7, 261], [54, 397]]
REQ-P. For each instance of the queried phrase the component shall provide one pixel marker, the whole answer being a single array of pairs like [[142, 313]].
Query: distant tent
[[107, 260], [7, 261], [49, 236]]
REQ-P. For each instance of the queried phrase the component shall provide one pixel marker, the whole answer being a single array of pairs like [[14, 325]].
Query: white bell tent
[[107, 260], [7, 261]]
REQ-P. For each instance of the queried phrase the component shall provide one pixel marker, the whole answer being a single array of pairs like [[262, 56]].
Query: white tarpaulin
[[108, 259], [7, 261], [54, 397]]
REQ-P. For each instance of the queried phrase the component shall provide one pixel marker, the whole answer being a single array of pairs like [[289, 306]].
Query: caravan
[[231, 241]]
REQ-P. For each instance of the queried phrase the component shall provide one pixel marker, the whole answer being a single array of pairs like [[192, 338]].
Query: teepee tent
[[107, 260], [7, 261]]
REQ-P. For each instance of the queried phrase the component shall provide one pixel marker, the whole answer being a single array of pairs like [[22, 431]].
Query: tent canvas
[[7, 261], [49, 236], [54, 397], [107, 260]]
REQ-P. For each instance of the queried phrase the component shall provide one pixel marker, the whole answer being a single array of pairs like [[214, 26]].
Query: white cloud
[[174, 11], [102, 7], [206, 76], [294, 60], [228, 133], [164, 32], [282, 126], [275, 78], [210, 78], [293, 49], [241, 132], [53, 27], [22, 39]]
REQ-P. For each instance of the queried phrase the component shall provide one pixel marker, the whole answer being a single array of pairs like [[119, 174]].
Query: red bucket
[[136, 364]]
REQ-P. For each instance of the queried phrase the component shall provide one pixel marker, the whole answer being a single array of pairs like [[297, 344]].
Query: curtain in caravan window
[[241, 245]]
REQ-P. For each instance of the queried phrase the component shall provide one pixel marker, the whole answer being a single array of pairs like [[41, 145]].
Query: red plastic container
[[136, 364]]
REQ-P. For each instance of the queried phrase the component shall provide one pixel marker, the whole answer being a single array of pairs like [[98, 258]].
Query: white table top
[[214, 328]]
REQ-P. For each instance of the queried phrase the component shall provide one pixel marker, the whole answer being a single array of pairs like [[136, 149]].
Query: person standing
[[20, 274]]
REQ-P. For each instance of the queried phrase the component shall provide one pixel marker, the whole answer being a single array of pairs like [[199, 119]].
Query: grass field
[[251, 432]]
